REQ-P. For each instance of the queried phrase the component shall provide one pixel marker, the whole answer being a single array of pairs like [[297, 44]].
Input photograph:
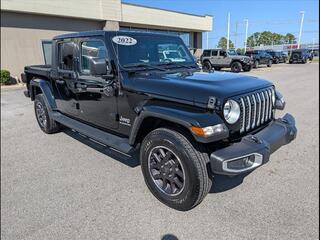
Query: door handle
[[60, 81]]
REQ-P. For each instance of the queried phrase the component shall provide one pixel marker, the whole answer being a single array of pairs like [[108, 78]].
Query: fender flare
[[46, 89], [182, 117]]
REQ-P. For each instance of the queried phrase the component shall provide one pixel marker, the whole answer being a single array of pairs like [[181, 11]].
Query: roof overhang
[[163, 19], [113, 10]]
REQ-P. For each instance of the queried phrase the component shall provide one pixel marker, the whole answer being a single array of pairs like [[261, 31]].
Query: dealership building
[[27, 26]]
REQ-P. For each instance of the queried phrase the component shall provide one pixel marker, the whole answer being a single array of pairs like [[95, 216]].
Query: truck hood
[[195, 87], [240, 57]]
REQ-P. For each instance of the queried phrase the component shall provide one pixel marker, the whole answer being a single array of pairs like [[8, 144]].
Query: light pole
[[228, 34], [301, 25], [246, 37]]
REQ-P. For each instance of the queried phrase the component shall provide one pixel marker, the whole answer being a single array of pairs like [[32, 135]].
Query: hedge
[[4, 77]]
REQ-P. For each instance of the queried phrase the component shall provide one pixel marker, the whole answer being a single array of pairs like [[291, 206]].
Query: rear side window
[[66, 55], [214, 52], [47, 51], [206, 53], [93, 49]]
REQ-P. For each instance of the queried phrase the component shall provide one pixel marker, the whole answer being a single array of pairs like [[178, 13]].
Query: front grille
[[256, 109]]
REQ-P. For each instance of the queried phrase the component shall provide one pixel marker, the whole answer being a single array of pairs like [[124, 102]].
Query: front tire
[[236, 67], [46, 123], [174, 170], [269, 63], [247, 68], [207, 66]]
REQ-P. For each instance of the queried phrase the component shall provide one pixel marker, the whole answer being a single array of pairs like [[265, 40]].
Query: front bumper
[[254, 150]]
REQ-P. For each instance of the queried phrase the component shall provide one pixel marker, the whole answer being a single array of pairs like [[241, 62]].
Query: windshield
[[232, 53], [150, 49]]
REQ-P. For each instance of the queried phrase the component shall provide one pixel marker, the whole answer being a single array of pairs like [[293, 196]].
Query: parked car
[[299, 56], [222, 58], [260, 57], [188, 125], [171, 56], [310, 55], [277, 56], [285, 56]]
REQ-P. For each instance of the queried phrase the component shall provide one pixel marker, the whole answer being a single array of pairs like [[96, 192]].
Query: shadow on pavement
[[169, 237], [131, 161], [223, 183], [220, 183]]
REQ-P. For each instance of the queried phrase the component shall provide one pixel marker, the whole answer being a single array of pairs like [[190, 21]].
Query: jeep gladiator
[[117, 88]]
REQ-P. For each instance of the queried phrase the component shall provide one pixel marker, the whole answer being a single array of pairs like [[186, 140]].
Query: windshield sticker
[[124, 40]]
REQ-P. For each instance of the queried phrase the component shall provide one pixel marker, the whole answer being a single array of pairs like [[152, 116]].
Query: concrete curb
[[12, 87]]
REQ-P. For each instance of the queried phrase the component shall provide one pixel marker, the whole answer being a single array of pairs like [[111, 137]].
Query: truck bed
[[37, 71]]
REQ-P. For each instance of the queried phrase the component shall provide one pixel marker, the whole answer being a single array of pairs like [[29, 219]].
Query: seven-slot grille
[[256, 109]]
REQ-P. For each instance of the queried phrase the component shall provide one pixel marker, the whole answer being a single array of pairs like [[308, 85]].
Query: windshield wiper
[[178, 65], [143, 65]]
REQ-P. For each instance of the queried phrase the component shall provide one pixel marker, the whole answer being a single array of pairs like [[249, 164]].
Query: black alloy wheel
[[166, 170]]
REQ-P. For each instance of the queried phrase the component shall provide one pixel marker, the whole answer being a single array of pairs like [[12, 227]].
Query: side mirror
[[98, 66]]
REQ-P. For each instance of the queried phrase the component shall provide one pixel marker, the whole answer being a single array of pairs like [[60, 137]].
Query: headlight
[[280, 102], [273, 97], [231, 111]]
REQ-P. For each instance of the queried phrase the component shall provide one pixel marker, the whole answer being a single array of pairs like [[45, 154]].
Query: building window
[[47, 51], [94, 49]]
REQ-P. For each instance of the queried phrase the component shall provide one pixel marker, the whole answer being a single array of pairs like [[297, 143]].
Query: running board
[[118, 143]]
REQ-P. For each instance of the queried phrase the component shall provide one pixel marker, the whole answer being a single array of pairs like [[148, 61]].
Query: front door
[[97, 102]]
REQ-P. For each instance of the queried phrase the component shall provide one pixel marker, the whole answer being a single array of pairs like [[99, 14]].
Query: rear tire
[[46, 123], [236, 67], [167, 157]]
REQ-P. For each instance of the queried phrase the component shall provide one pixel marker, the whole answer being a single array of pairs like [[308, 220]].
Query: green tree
[[223, 43], [240, 51], [289, 38], [269, 38]]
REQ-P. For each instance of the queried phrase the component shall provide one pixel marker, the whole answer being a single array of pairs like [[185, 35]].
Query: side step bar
[[118, 143]]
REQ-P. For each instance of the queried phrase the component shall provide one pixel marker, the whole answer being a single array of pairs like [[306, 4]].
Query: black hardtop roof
[[104, 32]]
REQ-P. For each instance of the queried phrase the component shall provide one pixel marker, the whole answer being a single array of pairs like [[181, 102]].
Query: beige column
[[111, 25]]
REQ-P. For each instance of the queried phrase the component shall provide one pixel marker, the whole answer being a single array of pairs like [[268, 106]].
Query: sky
[[281, 16]]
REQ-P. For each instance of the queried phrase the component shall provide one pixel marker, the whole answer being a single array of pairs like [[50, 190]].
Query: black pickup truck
[[120, 89]]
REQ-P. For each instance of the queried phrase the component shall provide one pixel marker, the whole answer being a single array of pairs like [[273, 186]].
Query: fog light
[[248, 161], [243, 163]]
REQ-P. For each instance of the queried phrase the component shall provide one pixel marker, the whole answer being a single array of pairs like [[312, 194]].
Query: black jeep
[[260, 57], [134, 90], [277, 56], [299, 56]]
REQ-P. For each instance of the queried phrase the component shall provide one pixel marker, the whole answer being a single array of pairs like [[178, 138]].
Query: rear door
[[97, 105], [65, 78], [214, 58]]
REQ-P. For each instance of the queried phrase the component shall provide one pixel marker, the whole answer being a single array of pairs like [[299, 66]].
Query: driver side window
[[93, 49]]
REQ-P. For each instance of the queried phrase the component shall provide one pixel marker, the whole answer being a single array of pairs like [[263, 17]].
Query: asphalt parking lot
[[63, 186]]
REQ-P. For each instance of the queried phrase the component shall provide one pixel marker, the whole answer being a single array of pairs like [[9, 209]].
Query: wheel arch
[[153, 117], [38, 86]]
